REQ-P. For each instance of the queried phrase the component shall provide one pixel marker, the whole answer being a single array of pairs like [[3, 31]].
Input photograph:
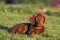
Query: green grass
[[9, 19]]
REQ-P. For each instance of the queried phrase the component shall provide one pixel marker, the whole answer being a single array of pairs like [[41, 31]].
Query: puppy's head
[[38, 19], [41, 19]]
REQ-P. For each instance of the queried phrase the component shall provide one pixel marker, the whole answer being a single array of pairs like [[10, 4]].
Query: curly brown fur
[[21, 28]]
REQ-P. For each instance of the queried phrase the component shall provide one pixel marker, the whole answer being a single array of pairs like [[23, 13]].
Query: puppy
[[38, 21], [36, 25]]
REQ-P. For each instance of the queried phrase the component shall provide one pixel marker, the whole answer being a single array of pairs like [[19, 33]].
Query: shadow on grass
[[4, 28]]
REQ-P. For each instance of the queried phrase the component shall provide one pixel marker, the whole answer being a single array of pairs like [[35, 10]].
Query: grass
[[9, 19]]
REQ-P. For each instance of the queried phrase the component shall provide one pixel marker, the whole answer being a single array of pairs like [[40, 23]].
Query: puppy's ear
[[32, 19], [45, 19]]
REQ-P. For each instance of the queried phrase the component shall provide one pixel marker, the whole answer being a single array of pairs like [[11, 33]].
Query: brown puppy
[[36, 25], [38, 21]]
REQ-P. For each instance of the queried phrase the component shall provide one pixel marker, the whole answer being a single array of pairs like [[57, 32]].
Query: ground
[[9, 19]]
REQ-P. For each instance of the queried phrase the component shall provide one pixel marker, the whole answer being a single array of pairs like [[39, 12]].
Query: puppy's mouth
[[36, 23]]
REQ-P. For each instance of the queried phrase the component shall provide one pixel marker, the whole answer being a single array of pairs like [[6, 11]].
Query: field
[[11, 16]]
